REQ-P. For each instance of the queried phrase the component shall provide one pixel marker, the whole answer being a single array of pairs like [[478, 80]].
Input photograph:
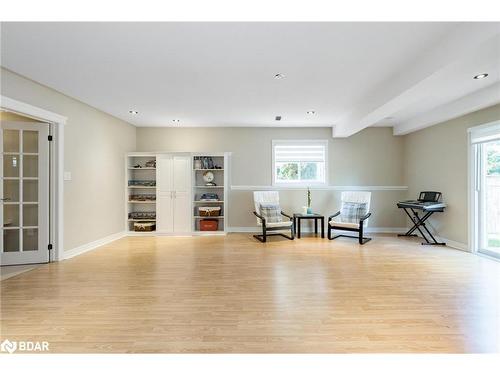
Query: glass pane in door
[[30, 141], [30, 191], [11, 240], [11, 215], [11, 165], [11, 190], [30, 239], [10, 140], [30, 215], [30, 166], [492, 196]]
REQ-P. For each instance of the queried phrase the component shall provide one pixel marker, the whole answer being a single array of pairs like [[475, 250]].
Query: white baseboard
[[93, 245], [454, 244], [310, 230]]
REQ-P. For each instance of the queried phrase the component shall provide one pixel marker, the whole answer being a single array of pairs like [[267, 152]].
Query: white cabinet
[[173, 191]]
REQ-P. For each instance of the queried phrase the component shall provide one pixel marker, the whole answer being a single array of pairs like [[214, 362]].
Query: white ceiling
[[353, 75]]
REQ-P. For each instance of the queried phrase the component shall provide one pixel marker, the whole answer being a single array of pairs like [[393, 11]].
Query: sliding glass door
[[485, 147], [489, 206]]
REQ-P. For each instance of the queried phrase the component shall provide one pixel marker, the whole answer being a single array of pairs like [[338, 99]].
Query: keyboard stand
[[419, 222]]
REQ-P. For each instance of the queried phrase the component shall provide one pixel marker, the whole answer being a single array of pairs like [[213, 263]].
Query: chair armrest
[[260, 217], [334, 215], [365, 217], [286, 215]]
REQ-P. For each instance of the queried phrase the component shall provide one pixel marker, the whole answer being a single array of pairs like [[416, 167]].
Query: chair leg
[[362, 240], [329, 234]]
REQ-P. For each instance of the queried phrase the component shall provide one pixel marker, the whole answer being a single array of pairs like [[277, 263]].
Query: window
[[300, 163]]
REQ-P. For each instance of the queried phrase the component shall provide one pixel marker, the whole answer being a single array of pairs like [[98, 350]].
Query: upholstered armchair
[[353, 215], [270, 217]]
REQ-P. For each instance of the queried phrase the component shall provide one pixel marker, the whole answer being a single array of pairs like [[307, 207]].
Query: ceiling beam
[[473, 102], [394, 94]]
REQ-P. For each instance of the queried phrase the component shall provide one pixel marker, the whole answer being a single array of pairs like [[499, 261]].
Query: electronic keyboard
[[422, 205], [428, 202]]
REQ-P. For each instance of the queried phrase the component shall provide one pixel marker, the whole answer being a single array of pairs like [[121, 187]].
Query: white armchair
[[353, 215], [271, 198]]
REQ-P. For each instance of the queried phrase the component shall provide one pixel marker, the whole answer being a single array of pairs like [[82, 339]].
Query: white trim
[[309, 230], [331, 187], [57, 166], [24, 109], [454, 244], [301, 184], [93, 245]]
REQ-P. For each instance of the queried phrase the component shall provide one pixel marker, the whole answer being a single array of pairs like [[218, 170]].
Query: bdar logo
[[8, 346]]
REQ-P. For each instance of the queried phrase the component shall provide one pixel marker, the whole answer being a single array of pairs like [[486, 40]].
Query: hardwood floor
[[233, 294]]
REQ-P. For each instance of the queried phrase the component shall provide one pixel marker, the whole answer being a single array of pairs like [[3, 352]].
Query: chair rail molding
[[330, 187]]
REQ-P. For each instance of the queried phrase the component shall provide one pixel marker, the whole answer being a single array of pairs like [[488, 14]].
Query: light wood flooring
[[233, 294]]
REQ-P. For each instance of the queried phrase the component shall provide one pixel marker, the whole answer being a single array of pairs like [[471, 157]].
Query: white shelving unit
[[147, 193], [200, 187]]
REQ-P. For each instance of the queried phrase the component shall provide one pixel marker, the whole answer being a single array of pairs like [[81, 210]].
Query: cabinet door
[[164, 194], [182, 194], [164, 173], [164, 212]]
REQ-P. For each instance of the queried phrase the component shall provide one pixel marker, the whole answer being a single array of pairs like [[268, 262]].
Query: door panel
[[182, 173], [182, 194], [182, 217], [164, 171], [24, 190], [164, 213]]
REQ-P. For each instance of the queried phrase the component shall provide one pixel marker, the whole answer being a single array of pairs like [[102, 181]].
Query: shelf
[[208, 201], [210, 187], [132, 220], [142, 169], [143, 202], [208, 217], [212, 169], [141, 187]]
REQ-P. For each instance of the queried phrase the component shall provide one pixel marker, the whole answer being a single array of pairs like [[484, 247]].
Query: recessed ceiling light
[[133, 112], [311, 112], [279, 76], [175, 120], [481, 76], [278, 118]]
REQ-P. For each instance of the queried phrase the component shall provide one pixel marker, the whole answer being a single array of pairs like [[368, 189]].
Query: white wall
[[95, 145], [436, 159], [371, 157]]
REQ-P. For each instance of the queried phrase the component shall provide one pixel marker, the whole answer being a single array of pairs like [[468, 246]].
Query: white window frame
[[322, 142]]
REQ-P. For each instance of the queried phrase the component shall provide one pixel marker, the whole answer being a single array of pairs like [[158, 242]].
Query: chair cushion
[[280, 224], [352, 212], [271, 212], [341, 224]]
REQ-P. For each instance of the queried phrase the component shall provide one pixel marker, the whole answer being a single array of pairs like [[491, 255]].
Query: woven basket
[[209, 211]]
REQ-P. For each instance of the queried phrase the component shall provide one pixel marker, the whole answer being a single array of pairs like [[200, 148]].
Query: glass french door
[[24, 193], [488, 167]]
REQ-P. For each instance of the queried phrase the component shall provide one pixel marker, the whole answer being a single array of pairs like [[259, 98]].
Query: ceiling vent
[[278, 118]]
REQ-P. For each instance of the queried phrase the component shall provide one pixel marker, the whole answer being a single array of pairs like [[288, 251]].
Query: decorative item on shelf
[[151, 163], [209, 197], [141, 183], [197, 162], [209, 225], [142, 197], [209, 177], [144, 227], [141, 215], [207, 162], [209, 211], [137, 166]]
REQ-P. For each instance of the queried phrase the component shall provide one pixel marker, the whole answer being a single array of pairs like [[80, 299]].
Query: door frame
[[56, 175], [473, 198]]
